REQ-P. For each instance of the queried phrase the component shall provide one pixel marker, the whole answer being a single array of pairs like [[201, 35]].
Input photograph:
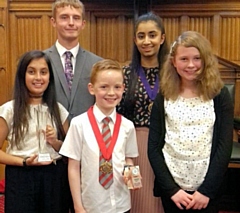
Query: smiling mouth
[[71, 30], [147, 49], [110, 99], [190, 72], [37, 85]]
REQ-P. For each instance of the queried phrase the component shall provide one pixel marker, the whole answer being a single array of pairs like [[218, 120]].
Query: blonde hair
[[209, 81], [105, 64], [72, 3]]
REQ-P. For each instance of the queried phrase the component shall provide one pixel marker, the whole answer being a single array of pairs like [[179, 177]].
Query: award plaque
[[43, 157]]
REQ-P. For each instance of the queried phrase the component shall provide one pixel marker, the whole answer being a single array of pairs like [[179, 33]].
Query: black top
[[220, 153], [138, 110]]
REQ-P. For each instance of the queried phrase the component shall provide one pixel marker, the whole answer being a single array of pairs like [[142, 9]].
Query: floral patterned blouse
[[139, 111]]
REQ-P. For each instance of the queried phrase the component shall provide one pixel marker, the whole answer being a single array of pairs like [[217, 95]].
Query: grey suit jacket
[[79, 99]]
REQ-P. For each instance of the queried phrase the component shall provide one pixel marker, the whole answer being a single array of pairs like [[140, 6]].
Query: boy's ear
[[90, 88], [53, 22]]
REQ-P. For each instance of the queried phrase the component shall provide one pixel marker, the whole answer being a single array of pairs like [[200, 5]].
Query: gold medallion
[[150, 107], [106, 167]]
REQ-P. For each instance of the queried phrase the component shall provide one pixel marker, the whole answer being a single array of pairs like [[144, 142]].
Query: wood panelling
[[29, 30], [113, 35], [218, 22], [109, 27], [230, 43], [4, 71]]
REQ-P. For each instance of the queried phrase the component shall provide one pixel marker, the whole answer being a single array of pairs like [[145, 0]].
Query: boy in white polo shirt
[[96, 161]]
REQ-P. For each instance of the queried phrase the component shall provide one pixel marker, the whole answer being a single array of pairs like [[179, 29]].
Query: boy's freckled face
[[108, 89]]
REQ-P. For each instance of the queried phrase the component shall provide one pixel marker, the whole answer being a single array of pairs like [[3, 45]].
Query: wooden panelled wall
[[25, 25]]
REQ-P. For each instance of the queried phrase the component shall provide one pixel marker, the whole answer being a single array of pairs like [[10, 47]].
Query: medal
[[152, 93], [150, 107], [106, 167]]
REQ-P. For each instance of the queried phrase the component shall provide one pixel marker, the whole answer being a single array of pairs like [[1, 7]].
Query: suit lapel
[[58, 67], [78, 72]]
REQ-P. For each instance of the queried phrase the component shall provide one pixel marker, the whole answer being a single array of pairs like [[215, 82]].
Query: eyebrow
[[154, 31], [66, 14]]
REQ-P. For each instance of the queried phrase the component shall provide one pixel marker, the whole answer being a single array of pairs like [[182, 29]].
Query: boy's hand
[[126, 179]]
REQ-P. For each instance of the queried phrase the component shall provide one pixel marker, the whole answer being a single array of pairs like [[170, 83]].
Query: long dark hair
[[21, 97], [136, 56]]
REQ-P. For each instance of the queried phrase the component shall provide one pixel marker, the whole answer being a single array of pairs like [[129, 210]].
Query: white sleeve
[[6, 112], [131, 146], [72, 144], [63, 112]]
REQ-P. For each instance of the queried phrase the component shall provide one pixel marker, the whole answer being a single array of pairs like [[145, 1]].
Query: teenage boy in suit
[[68, 18]]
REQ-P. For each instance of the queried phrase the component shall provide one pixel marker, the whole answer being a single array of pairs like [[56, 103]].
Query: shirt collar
[[61, 49], [100, 116]]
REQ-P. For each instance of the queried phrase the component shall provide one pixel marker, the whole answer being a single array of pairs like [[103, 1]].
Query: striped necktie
[[105, 179], [68, 69]]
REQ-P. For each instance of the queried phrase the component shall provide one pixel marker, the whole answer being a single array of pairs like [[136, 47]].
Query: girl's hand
[[79, 210], [32, 161], [199, 201], [51, 138], [182, 199], [51, 135]]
